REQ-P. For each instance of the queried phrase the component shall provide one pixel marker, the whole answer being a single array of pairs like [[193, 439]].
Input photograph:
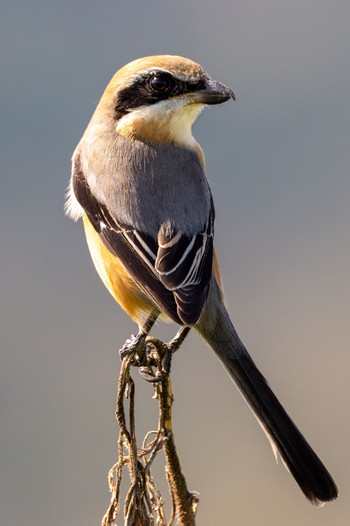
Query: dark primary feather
[[176, 277]]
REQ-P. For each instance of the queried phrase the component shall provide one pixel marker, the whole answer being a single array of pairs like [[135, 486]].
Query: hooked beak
[[214, 93]]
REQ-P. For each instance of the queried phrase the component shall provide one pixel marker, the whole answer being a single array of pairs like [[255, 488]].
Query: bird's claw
[[148, 374], [166, 361], [158, 355], [134, 345], [149, 353]]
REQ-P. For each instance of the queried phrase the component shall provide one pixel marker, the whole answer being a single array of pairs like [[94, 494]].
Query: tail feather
[[297, 455], [299, 458]]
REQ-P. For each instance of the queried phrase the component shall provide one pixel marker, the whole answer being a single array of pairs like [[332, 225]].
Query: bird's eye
[[160, 83]]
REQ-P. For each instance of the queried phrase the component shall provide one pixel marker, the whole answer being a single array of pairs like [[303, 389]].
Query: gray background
[[278, 162]]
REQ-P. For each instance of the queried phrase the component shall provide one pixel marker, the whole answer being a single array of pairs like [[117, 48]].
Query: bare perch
[[143, 504]]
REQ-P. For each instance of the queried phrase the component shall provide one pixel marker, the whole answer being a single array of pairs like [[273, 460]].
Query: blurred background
[[278, 162]]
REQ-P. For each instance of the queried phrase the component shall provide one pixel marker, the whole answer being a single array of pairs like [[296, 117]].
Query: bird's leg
[[177, 341], [159, 355], [173, 346], [148, 352], [136, 343]]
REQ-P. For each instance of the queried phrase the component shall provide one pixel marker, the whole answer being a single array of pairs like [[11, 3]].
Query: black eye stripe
[[143, 91]]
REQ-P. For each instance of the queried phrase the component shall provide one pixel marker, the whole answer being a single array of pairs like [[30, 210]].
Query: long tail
[[299, 458]]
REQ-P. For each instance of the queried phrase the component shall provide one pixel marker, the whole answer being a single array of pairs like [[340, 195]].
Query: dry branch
[[143, 504]]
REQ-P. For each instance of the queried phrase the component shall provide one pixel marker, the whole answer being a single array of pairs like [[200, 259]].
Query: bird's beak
[[214, 93]]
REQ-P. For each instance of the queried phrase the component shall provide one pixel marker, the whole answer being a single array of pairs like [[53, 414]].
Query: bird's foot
[[151, 355], [157, 353], [135, 346]]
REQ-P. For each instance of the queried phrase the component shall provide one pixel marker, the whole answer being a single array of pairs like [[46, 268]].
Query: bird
[[139, 185]]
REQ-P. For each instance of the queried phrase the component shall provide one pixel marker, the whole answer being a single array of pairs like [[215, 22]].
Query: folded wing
[[174, 270]]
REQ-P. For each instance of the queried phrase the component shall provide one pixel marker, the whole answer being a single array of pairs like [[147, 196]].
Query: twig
[[184, 502], [144, 504]]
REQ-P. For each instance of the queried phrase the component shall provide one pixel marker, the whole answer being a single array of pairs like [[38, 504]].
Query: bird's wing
[[184, 265], [173, 270]]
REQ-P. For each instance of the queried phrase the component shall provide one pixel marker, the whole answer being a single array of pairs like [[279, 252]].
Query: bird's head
[[157, 99]]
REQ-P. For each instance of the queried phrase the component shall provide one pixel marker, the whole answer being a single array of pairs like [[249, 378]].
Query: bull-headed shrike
[[139, 185]]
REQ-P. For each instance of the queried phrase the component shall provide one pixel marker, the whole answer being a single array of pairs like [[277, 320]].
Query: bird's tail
[[298, 457]]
